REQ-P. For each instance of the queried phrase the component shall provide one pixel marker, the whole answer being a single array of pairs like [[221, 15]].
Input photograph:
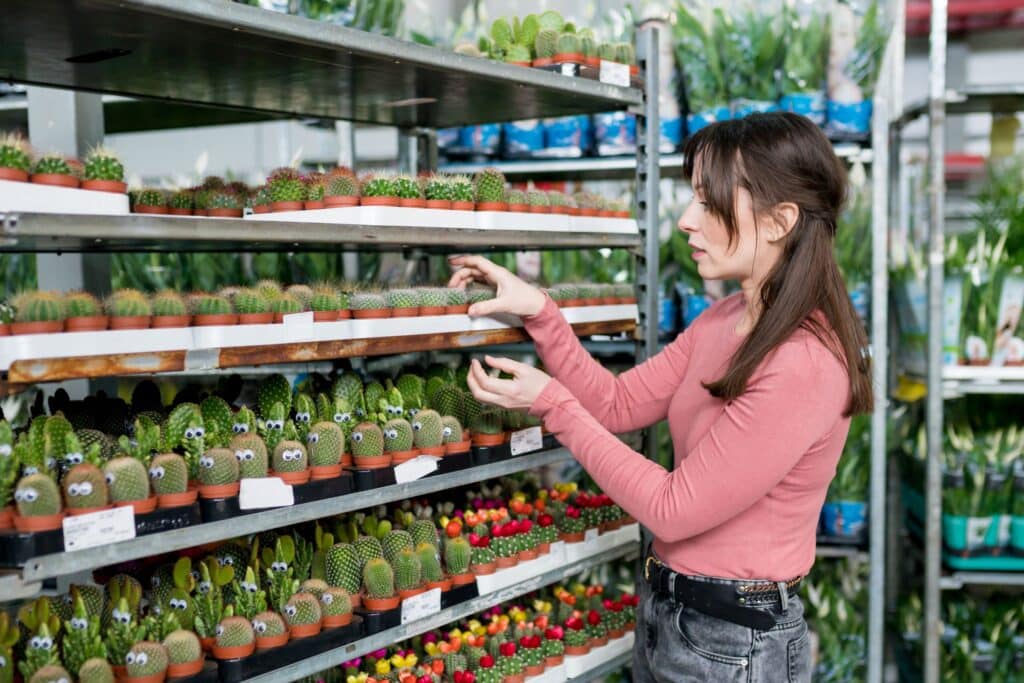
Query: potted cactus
[[285, 304], [336, 606], [379, 189], [287, 191], [439, 192], [559, 202], [316, 188], [38, 313], [457, 557], [488, 429], [168, 477], [303, 293], [326, 445], [538, 201], [367, 444], [404, 302], [517, 201], [343, 569], [379, 586], [483, 561], [325, 303], [149, 200], [169, 310], [84, 313], [210, 309], [410, 194], [15, 158], [544, 46], [10, 462], [518, 55], [303, 615], [428, 433], [398, 440], [128, 474], [577, 642], [433, 300], [342, 188], [430, 564], [568, 49], [251, 453], [620, 209], [369, 305], [259, 199], [457, 302], [270, 629], [146, 662], [453, 436], [218, 474], [129, 309], [408, 574], [181, 203], [184, 653], [344, 304], [572, 526], [54, 169], [224, 203], [235, 637], [104, 172], [84, 485], [38, 503], [291, 462], [463, 193], [253, 307], [553, 647], [490, 190]]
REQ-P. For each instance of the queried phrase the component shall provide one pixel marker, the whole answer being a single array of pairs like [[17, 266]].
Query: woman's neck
[[751, 306]]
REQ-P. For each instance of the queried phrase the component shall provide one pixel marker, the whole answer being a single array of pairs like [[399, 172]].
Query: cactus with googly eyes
[[146, 658], [177, 599], [234, 632], [218, 419], [40, 651], [209, 599], [340, 412], [281, 583], [96, 670], [398, 435], [305, 414], [271, 427], [122, 632], [160, 622], [168, 474], [244, 421], [335, 602], [183, 647], [326, 443], [272, 390], [250, 598], [51, 673], [82, 640], [367, 440], [302, 609], [127, 480], [85, 486], [75, 453], [427, 429], [290, 456], [268, 624], [251, 453], [37, 495], [217, 467], [10, 462]]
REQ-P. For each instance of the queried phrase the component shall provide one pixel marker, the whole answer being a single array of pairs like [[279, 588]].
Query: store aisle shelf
[[973, 100], [238, 56], [384, 638], [958, 380], [599, 672], [842, 551], [957, 580]]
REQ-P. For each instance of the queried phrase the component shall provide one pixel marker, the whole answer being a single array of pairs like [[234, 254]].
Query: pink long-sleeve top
[[750, 474]]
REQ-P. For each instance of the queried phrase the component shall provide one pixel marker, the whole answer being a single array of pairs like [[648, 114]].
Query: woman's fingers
[[482, 308], [482, 394], [505, 364]]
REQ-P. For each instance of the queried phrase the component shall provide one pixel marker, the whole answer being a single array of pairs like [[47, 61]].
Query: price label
[[414, 469], [614, 73], [527, 440], [421, 606], [99, 528], [299, 326], [590, 540], [265, 492]]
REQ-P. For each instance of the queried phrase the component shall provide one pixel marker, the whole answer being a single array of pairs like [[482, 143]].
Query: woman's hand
[[513, 295], [520, 392]]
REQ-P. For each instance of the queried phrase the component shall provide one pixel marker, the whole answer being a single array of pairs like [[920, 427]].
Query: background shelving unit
[[229, 56]]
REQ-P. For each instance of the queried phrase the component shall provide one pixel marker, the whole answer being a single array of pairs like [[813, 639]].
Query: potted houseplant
[[303, 615], [336, 606], [15, 158], [149, 200], [453, 436], [457, 558], [427, 433], [544, 46], [224, 203], [404, 302], [252, 306], [504, 545], [251, 453], [483, 560], [325, 303], [316, 187], [538, 201], [517, 201], [568, 49], [379, 189], [211, 309], [38, 503], [457, 302], [291, 462], [181, 203], [487, 429], [169, 310], [490, 190], [463, 193], [439, 192], [342, 568], [184, 653], [572, 527], [410, 194], [287, 191], [235, 637], [326, 445], [577, 642], [342, 189], [430, 566], [146, 662], [270, 629], [559, 202], [128, 474], [209, 600], [84, 313], [103, 172], [433, 300], [553, 647], [379, 586], [10, 463], [218, 474], [408, 574], [259, 199], [369, 305], [367, 444], [128, 309], [84, 485], [285, 304], [398, 440], [168, 476], [38, 313], [54, 169]]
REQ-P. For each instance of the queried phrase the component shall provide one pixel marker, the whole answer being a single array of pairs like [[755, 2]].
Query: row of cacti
[[543, 39], [23, 163]]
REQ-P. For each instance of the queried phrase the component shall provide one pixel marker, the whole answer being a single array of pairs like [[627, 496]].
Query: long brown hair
[[784, 157]]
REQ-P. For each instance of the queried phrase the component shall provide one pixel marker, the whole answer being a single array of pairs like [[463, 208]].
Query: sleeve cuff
[[553, 394], [550, 313]]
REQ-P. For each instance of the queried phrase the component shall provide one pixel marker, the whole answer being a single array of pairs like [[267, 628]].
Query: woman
[[758, 393]]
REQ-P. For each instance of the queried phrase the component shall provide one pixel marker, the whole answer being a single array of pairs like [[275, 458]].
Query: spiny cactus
[[406, 187], [379, 185], [146, 659], [451, 429], [15, 153], [625, 54], [379, 579], [367, 440], [490, 185], [516, 197], [325, 298], [251, 453], [408, 571], [50, 164], [285, 185], [38, 307], [36, 495], [343, 567], [182, 647], [325, 443], [51, 673], [439, 188], [568, 43], [457, 555], [302, 293], [423, 531], [268, 288], [224, 199], [537, 198], [290, 456], [430, 562], [81, 305], [427, 429], [84, 487], [398, 435], [127, 479], [181, 199], [342, 186], [394, 542], [168, 303], [335, 602], [286, 304], [545, 43], [235, 632], [250, 301], [218, 466], [128, 303], [607, 51], [272, 390], [211, 304], [150, 196], [363, 301], [168, 474], [268, 624], [316, 185], [402, 298], [102, 164]]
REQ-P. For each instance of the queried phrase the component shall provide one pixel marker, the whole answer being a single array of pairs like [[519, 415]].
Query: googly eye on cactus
[[79, 624], [204, 587], [85, 488], [249, 455], [206, 462], [357, 437], [62, 679], [279, 567], [141, 658], [5, 449], [343, 417], [29, 495], [179, 604], [417, 425], [447, 431], [302, 417], [200, 432], [3, 662], [157, 472], [74, 458], [154, 581], [35, 643], [46, 643], [226, 561], [220, 630], [327, 598], [110, 477], [30, 469], [157, 611], [72, 489], [278, 424], [239, 455], [240, 428], [413, 411], [248, 587], [296, 455], [195, 574], [259, 626], [129, 658], [313, 438], [51, 462], [190, 433], [290, 610]]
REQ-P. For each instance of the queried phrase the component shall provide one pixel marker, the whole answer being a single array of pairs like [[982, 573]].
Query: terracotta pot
[[186, 669], [270, 642], [262, 208], [255, 318], [457, 447], [114, 186], [371, 313], [58, 179], [130, 322], [444, 584], [519, 63], [606, 213], [293, 478], [436, 451], [155, 210], [217, 319], [431, 310], [207, 643], [38, 523], [463, 206], [375, 462], [412, 592], [141, 507], [344, 314], [236, 652], [356, 599], [398, 457], [205, 212], [535, 670], [152, 678], [519, 208], [277, 207], [325, 316], [439, 204], [380, 604], [379, 201], [560, 210], [463, 579], [506, 562], [346, 460], [575, 211], [7, 517], [540, 209], [616, 632], [598, 642], [311, 205], [225, 213], [74, 512], [491, 206], [517, 678], [319, 472], [90, 323], [552, 662], [593, 62], [344, 200], [5, 329], [165, 321], [488, 439], [542, 61], [527, 555], [219, 490], [569, 58], [457, 309], [120, 673], [178, 212], [177, 500], [304, 630], [634, 70], [588, 212], [15, 174], [406, 312], [337, 620], [39, 327], [622, 214], [630, 625], [573, 303], [483, 569], [576, 537], [592, 301], [543, 548], [577, 649], [413, 203]]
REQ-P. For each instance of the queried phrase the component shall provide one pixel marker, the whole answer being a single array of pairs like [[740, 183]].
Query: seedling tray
[[263, 661], [459, 594], [375, 622], [209, 674], [486, 455], [372, 479], [216, 509], [454, 463]]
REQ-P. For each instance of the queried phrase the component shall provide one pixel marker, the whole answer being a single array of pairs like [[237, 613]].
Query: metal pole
[[936, 260]]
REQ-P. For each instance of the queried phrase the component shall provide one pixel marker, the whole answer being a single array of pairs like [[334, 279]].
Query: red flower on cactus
[[507, 649], [486, 662], [554, 633], [573, 512], [525, 526], [575, 623], [545, 520], [474, 539], [593, 617], [615, 606]]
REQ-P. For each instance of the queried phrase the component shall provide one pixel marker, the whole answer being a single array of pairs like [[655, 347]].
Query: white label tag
[[590, 540], [527, 440], [265, 492], [299, 326], [414, 469], [421, 606], [977, 531], [99, 528], [614, 73]]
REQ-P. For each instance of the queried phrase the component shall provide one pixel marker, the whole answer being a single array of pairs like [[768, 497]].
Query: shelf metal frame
[[957, 580], [306, 667]]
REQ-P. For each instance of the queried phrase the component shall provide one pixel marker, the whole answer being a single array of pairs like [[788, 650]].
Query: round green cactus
[[456, 297], [290, 456], [326, 443], [211, 304], [217, 467], [537, 198], [272, 390], [286, 304], [268, 624], [567, 43], [102, 164], [50, 164], [182, 199], [451, 429], [84, 486], [398, 435], [490, 185], [224, 199], [168, 474], [406, 187], [314, 586], [439, 187], [462, 189], [303, 293], [478, 294], [457, 555], [234, 632], [316, 186], [182, 647], [607, 52], [402, 298], [430, 562], [379, 579], [367, 548], [251, 453], [325, 298], [368, 301], [423, 531], [302, 609], [15, 153], [427, 429], [433, 296], [150, 196], [37, 495], [51, 673], [516, 197], [167, 303], [379, 185], [146, 659], [588, 45], [394, 542], [95, 670], [81, 305], [38, 307], [408, 571], [127, 479], [250, 301], [488, 422], [268, 288], [367, 440], [128, 303], [335, 602], [545, 43], [556, 198], [342, 185], [625, 54], [285, 185], [343, 567], [517, 53]]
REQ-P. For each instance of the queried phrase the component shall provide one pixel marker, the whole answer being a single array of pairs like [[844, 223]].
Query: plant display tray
[[261, 662], [375, 622], [209, 674], [216, 509], [365, 480], [453, 463], [503, 578], [36, 198], [554, 674], [577, 665], [459, 594], [165, 519], [486, 455], [601, 542]]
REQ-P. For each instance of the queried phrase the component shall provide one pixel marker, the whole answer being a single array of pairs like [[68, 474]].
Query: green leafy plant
[[806, 57]]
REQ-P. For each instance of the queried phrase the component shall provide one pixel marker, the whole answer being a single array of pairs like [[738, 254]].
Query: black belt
[[730, 602]]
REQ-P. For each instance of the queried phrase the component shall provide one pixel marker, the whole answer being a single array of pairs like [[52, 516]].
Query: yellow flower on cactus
[[383, 667], [543, 495], [520, 496], [479, 630], [431, 649], [443, 522]]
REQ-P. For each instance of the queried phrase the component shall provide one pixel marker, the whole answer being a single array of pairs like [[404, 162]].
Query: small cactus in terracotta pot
[[84, 313], [129, 309]]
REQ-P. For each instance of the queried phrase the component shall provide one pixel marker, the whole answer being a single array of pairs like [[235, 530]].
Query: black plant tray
[[17, 549], [453, 463], [263, 661], [486, 455], [551, 442], [216, 509], [373, 479], [375, 622], [458, 595], [566, 69], [209, 674]]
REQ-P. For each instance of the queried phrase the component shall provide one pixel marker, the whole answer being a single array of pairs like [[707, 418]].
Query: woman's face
[[716, 258]]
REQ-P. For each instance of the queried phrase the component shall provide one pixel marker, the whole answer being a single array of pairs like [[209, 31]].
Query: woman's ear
[[783, 219]]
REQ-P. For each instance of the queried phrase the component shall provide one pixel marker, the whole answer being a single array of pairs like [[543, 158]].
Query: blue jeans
[[678, 644]]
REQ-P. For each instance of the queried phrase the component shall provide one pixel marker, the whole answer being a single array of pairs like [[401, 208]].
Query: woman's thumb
[[487, 307]]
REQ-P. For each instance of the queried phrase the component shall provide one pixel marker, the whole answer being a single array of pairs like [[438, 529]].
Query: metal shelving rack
[[265, 64], [942, 382]]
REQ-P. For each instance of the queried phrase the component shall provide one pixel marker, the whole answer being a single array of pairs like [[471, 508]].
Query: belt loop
[[672, 586], [783, 595]]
